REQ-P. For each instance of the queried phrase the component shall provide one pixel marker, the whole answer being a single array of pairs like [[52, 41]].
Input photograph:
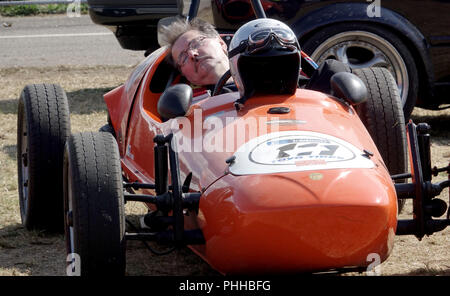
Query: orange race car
[[288, 182]]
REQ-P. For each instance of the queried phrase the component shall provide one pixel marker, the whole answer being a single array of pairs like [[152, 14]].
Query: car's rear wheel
[[362, 45], [383, 117], [94, 204], [43, 125]]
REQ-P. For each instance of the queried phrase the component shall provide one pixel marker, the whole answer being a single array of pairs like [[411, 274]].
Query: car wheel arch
[[314, 21]]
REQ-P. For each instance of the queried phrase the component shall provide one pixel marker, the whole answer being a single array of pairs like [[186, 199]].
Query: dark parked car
[[409, 37]]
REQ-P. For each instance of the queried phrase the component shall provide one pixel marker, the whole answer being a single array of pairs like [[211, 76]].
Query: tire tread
[[48, 127], [99, 218]]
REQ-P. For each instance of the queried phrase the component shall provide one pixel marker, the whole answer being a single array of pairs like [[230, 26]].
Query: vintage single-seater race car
[[280, 183]]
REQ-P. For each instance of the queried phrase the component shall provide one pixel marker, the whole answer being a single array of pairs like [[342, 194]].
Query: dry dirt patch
[[37, 253]]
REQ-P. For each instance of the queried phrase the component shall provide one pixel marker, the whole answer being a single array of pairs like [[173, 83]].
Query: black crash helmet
[[264, 57]]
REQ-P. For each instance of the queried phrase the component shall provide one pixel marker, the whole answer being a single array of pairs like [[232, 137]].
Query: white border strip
[[55, 35]]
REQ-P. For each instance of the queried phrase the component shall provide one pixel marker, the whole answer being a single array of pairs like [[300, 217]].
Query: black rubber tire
[[314, 41], [43, 126], [94, 203], [383, 117]]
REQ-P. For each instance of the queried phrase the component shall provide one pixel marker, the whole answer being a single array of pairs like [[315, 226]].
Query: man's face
[[202, 60]]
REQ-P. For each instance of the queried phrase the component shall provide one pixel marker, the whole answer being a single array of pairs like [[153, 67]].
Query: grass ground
[[37, 253], [27, 10]]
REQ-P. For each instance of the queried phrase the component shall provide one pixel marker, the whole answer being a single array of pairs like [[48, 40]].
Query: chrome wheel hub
[[361, 49]]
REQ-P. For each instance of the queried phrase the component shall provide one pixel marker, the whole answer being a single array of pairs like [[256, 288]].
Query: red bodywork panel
[[120, 100]]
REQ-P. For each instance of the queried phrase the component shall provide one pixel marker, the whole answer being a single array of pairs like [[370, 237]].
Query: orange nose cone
[[296, 222]]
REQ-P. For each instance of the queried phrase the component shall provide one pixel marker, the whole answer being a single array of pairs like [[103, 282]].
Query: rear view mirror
[[175, 101], [349, 87]]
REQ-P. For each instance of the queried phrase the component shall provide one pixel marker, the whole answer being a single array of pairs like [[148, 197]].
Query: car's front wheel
[[94, 205], [382, 116]]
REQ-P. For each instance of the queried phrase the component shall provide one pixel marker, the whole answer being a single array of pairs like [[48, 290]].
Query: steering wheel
[[219, 85]]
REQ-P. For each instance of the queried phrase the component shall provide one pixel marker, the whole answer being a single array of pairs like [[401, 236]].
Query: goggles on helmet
[[261, 39]]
